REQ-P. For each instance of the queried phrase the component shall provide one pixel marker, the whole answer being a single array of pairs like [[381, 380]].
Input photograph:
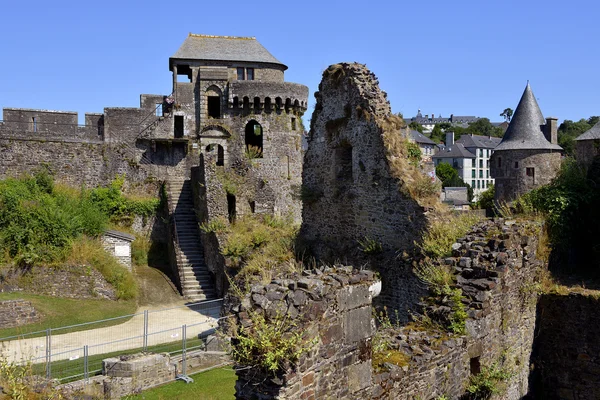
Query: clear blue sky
[[460, 57]]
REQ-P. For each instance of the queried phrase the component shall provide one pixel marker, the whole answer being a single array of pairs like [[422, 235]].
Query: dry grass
[[261, 248], [413, 182], [87, 251], [444, 231]]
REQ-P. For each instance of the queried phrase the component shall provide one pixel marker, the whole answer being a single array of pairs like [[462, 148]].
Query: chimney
[[449, 138], [551, 130]]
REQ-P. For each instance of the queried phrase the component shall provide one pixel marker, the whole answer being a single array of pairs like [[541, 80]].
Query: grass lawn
[[57, 312], [216, 384]]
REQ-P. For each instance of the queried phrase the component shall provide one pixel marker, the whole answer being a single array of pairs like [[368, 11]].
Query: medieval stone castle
[[230, 106], [227, 142]]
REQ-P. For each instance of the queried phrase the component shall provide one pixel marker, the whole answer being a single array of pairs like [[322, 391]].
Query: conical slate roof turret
[[525, 129]]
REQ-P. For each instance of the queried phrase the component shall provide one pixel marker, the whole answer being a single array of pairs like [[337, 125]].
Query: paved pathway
[[164, 326]]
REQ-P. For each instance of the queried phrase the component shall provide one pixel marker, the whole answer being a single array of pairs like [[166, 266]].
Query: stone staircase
[[195, 279]]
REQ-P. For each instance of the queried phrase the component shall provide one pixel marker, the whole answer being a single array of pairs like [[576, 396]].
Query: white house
[[470, 156]]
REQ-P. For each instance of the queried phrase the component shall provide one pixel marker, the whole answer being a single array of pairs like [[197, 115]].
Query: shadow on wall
[[161, 153]]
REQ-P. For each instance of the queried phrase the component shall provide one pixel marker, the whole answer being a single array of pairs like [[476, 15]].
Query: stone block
[[351, 297], [359, 376], [357, 324]]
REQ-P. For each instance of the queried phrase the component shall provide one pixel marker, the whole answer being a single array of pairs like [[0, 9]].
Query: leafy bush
[[16, 383], [37, 225], [486, 198], [414, 153], [113, 203]]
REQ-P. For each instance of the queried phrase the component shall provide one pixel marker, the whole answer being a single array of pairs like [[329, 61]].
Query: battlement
[[38, 123], [268, 96]]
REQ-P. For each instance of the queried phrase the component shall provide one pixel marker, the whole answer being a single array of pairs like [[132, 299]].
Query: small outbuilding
[[118, 244], [588, 145]]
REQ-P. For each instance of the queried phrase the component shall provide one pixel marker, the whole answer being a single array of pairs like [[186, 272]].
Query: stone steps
[[196, 280]]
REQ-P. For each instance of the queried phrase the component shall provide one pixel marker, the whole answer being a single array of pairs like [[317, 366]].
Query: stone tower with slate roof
[[528, 155]]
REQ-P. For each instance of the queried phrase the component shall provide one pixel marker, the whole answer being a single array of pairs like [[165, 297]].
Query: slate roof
[[590, 134], [224, 48], [478, 141], [524, 131], [120, 235], [420, 138], [457, 150]]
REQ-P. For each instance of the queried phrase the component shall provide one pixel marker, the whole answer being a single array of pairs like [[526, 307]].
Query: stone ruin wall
[[566, 359], [497, 275], [17, 313], [349, 193]]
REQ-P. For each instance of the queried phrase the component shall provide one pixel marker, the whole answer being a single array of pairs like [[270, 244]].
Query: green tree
[[486, 198], [449, 177], [414, 125], [569, 130], [484, 127], [507, 114], [437, 134], [445, 172]]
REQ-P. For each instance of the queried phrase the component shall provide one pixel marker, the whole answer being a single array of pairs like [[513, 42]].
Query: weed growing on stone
[[488, 382], [383, 350], [253, 152], [442, 233], [370, 246], [215, 225], [438, 278], [273, 345], [458, 317]]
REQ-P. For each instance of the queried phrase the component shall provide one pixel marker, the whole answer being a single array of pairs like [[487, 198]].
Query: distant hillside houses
[[428, 122], [470, 156], [426, 145]]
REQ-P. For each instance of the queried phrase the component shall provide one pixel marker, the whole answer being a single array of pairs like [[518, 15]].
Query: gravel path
[[164, 326]]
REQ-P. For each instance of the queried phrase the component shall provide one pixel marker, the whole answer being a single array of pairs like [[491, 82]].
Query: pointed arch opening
[[254, 139]]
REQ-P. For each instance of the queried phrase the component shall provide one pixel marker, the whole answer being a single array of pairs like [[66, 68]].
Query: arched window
[[246, 104], [278, 104], [213, 101], [254, 140], [267, 104], [236, 103]]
